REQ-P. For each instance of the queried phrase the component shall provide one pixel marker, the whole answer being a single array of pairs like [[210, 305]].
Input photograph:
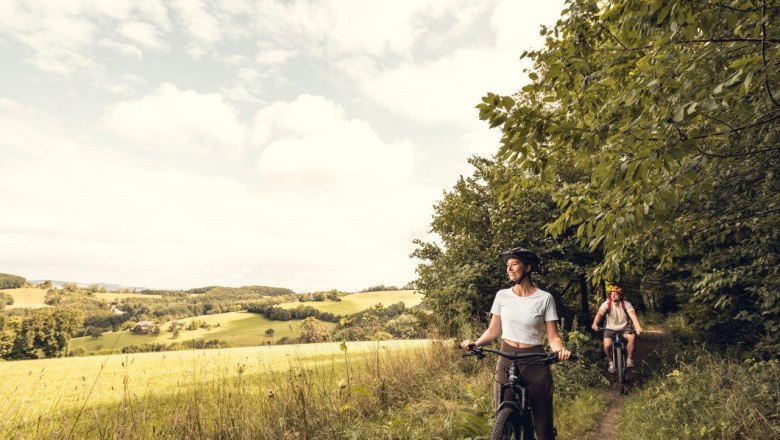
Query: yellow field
[[239, 329], [27, 298], [36, 387], [357, 302]]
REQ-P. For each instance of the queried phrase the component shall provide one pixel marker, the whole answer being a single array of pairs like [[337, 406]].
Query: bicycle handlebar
[[548, 358]]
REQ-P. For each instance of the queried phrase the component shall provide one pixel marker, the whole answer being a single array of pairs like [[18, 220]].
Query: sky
[[300, 144]]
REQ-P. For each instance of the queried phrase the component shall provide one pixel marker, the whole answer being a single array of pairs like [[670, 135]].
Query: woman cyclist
[[620, 315], [522, 315]]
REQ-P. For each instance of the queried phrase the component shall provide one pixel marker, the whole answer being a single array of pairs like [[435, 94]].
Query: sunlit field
[[31, 297], [32, 388], [25, 297], [112, 296], [239, 329], [361, 301]]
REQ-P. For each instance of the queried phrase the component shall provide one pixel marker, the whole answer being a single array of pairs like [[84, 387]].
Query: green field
[[33, 388], [111, 296], [239, 329], [358, 302], [27, 298]]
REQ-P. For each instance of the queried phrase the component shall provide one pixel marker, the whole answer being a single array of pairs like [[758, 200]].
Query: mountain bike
[[619, 356], [513, 418]]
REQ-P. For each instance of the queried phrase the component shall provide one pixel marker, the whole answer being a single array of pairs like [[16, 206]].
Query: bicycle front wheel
[[511, 425], [620, 365]]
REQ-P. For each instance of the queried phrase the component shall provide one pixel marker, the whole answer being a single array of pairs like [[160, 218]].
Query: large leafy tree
[[43, 333], [672, 110]]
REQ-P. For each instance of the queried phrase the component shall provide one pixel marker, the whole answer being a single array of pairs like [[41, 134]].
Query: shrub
[[712, 398]]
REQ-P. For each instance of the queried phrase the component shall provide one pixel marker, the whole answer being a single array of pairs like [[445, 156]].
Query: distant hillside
[[8, 281], [108, 286]]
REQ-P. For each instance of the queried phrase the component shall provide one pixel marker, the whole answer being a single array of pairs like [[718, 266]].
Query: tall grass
[[417, 393], [710, 398]]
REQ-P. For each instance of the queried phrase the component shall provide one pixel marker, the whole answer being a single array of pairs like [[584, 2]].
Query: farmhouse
[[144, 327]]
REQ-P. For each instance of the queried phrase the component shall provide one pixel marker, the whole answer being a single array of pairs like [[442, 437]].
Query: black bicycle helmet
[[524, 255]]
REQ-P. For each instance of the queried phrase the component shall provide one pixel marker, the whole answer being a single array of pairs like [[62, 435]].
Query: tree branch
[[763, 54], [747, 153], [728, 40]]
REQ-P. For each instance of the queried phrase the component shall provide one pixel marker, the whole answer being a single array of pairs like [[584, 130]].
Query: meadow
[[27, 297], [33, 297], [238, 329], [391, 389], [357, 302], [31, 388]]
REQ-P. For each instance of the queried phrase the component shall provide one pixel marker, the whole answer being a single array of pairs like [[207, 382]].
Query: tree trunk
[[584, 309]]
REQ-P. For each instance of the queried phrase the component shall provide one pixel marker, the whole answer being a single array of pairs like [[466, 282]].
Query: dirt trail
[[607, 429]]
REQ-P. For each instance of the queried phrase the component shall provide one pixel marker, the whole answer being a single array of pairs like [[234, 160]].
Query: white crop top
[[523, 317]]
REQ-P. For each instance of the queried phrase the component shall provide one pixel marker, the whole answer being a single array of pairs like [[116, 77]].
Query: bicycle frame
[[518, 388], [515, 416], [619, 355]]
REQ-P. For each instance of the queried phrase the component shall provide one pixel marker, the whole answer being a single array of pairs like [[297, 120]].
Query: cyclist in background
[[523, 314], [620, 316]]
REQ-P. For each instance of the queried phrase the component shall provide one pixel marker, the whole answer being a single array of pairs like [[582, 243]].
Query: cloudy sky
[[183, 143]]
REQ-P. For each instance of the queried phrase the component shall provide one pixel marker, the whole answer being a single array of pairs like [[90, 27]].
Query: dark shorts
[[609, 333]]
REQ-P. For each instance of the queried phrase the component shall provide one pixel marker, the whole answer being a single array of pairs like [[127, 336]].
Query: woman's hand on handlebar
[[467, 345], [595, 327], [563, 354]]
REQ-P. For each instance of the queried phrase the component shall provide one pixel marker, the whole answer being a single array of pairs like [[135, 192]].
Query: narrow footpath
[[607, 429]]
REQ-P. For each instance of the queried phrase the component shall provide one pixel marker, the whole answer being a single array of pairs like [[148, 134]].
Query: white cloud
[[326, 192], [274, 57], [144, 34], [91, 214], [307, 114], [314, 147], [178, 121], [350, 27], [198, 21], [444, 90], [123, 48], [517, 28]]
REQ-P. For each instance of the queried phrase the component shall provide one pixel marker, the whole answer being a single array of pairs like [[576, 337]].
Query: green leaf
[[679, 114]]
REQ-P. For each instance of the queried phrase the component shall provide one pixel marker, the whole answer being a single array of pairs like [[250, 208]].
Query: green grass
[[358, 302], [33, 388], [239, 329], [112, 296], [401, 389], [396, 389], [709, 398], [27, 297]]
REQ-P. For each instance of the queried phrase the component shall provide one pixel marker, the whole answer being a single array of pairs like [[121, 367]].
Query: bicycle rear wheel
[[511, 425]]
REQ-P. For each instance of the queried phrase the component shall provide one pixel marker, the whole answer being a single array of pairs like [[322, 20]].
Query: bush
[[5, 300], [711, 398]]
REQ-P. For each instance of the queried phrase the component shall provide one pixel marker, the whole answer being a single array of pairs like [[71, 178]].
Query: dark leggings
[[539, 381]]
